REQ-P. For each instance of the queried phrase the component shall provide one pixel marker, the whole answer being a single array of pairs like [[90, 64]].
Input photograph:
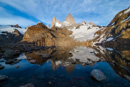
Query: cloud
[[100, 11], [9, 19]]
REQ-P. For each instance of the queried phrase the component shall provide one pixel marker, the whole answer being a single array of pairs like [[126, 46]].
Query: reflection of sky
[[41, 75], [84, 54]]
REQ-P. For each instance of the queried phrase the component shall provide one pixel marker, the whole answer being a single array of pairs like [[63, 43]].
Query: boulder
[[98, 75], [3, 77], [9, 53]]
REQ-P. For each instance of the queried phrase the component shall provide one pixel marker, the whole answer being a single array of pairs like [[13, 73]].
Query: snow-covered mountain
[[10, 34], [118, 31], [70, 32], [81, 32], [11, 28]]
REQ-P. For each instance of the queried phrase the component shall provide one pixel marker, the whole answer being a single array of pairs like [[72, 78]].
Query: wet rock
[[9, 61], [3, 77], [28, 85], [98, 75], [10, 53], [1, 67]]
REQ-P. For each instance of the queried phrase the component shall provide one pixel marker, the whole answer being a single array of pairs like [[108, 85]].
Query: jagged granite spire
[[69, 18], [53, 21]]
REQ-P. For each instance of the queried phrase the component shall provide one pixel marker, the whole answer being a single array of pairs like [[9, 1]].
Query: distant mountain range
[[68, 33]]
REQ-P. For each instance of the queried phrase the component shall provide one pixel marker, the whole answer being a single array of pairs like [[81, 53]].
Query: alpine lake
[[67, 67]]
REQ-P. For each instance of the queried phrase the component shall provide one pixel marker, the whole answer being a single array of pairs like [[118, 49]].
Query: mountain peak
[[69, 18], [53, 21]]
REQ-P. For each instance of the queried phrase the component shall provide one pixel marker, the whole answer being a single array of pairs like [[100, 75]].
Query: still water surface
[[68, 67]]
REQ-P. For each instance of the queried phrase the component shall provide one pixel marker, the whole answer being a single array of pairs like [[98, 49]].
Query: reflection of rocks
[[98, 75], [32, 61], [39, 56], [44, 55], [120, 63], [118, 59], [63, 56]]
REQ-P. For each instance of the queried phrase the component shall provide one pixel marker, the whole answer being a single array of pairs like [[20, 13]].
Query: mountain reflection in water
[[70, 67]]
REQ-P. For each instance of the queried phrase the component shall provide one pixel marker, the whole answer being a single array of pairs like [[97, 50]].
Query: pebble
[[17, 66], [28, 85]]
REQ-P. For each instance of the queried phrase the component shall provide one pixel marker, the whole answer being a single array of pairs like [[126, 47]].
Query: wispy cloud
[[9, 19], [100, 11]]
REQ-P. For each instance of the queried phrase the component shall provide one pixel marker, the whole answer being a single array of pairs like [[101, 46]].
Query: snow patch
[[66, 23], [110, 49], [58, 24], [126, 19], [84, 32], [58, 63], [109, 39], [128, 10], [10, 29]]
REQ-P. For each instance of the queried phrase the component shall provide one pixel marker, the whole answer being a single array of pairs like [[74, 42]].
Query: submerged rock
[[17, 66], [98, 75], [1, 67], [28, 85], [3, 77]]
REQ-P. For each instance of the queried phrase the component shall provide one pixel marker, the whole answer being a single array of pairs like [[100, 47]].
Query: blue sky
[[29, 12]]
